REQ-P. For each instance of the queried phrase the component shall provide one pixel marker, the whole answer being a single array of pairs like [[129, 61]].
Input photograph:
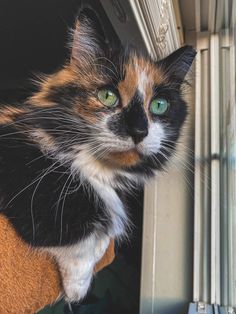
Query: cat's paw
[[76, 290]]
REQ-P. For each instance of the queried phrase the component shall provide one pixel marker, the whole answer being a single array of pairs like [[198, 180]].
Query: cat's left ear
[[88, 39], [176, 65]]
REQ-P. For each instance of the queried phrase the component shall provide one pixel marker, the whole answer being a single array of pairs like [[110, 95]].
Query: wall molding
[[158, 26]]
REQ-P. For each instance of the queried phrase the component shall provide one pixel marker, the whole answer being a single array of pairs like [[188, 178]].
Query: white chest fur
[[114, 207], [102, 181], [76, 262]]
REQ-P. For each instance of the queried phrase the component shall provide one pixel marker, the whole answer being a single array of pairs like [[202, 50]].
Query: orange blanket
[[29, 280]]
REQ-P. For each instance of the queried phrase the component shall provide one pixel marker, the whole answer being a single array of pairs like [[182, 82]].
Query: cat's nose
[[136, 119], [138, 134]]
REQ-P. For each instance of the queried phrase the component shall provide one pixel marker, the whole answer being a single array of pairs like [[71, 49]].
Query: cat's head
[[115, 106]]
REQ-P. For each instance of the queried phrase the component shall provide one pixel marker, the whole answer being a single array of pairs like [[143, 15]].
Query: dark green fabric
[[56, 309]]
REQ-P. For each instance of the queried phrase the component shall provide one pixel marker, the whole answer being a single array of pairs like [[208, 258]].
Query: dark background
[[34, 37]]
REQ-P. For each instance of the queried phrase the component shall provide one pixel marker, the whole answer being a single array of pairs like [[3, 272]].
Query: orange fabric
[[29, 280]]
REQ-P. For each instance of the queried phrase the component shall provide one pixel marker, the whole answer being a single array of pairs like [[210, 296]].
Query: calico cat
[[108, 120]]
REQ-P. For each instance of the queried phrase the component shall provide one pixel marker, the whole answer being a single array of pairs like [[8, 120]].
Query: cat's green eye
[[108, 97], [159, 106]]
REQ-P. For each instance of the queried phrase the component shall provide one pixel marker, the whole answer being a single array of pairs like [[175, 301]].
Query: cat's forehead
[[141, 75]]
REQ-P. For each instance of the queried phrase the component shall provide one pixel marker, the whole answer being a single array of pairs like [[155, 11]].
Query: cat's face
[[117, 106]]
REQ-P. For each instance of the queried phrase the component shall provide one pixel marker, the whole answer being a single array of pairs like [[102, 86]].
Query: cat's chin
[[123, 158]]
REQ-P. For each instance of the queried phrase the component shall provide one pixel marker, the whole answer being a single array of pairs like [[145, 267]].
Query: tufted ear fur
[[88, 39], [177, 64]]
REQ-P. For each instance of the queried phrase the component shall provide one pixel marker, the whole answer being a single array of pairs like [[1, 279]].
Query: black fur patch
[[67, 94], [38, 195], [136, 119]]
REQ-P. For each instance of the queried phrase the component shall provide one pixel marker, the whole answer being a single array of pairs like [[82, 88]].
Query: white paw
[[76, 290], [77, 263]]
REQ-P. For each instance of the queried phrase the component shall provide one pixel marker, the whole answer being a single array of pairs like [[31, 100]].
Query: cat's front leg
[[76, 264]]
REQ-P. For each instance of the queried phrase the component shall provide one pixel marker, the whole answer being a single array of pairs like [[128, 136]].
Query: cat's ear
[[88, 39], [176, 65]]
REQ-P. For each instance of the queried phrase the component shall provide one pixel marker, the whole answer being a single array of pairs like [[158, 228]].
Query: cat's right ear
[[178, 63], [88, 39]]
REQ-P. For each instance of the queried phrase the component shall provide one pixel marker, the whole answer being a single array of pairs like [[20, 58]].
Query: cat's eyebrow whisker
[[107, 68], [115, 74], [104, 58]]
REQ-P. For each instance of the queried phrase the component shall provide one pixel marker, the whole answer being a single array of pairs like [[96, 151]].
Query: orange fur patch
[[128, 86], [134, 71], [129, 158], [8, 114], [88, 112], [63, 77]]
